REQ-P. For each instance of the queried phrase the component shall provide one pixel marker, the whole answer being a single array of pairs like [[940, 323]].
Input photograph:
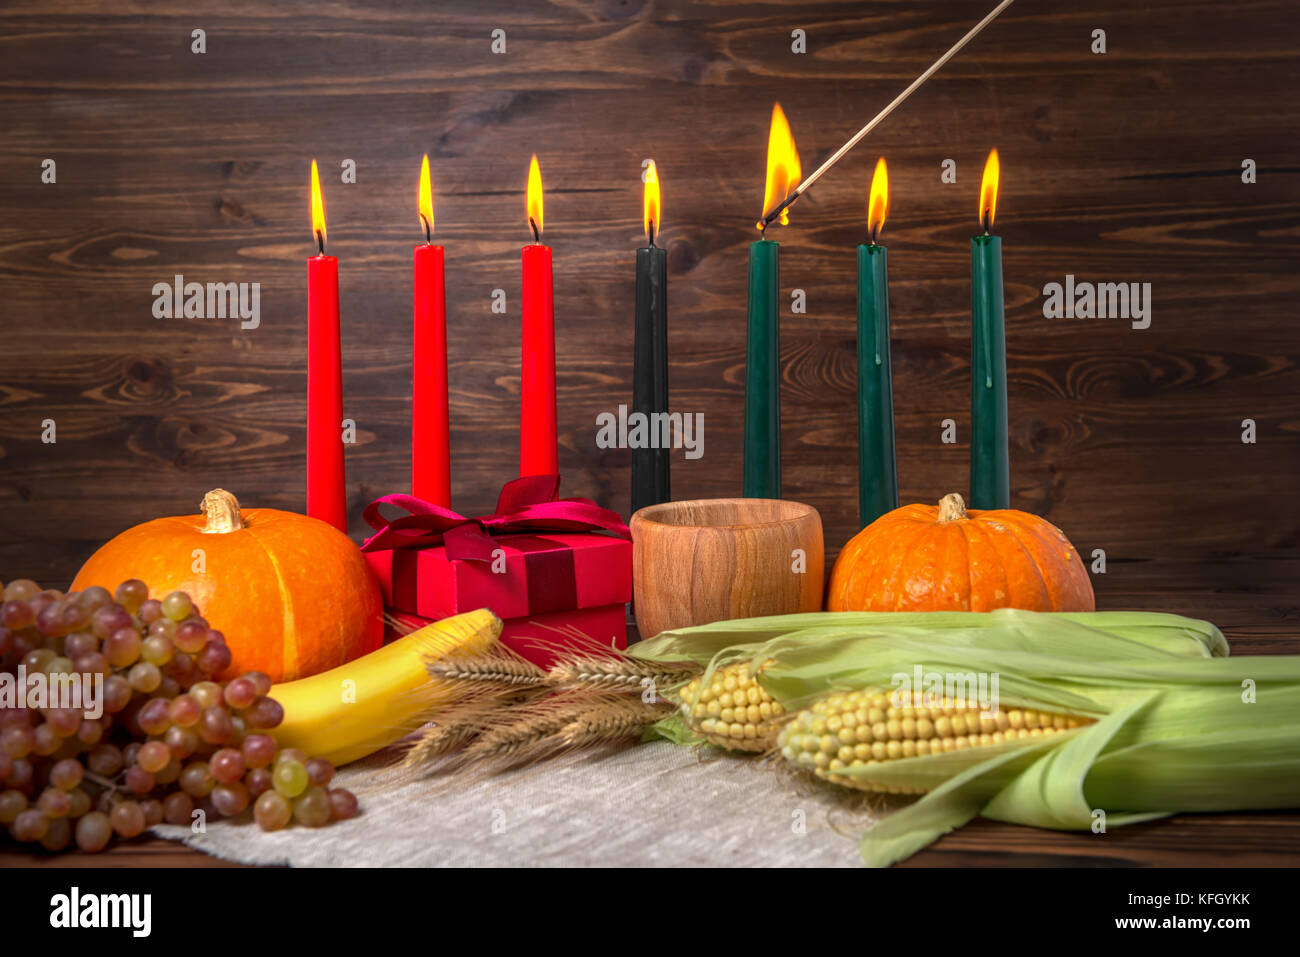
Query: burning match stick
[[835, 157]]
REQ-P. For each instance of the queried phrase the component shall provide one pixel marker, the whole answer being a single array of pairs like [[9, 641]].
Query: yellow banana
[[357, 708]]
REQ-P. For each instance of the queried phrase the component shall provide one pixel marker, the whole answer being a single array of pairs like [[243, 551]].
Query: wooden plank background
[[1116, 167]]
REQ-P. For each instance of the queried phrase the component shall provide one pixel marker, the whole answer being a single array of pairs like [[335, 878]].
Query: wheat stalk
[[610, 722], [489, 670], [606, 672]]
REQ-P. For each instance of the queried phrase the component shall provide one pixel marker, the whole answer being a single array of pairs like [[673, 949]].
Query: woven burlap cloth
[[653, 805]]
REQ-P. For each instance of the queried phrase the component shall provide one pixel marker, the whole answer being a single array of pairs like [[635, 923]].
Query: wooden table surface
[[1257, 606]]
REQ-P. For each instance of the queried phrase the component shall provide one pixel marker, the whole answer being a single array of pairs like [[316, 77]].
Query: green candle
[[763, 374], [990, 470], [877, 466], [762, 464]]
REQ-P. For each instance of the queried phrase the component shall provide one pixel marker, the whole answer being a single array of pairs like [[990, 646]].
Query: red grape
[[266, 713], [66, 774], [105, 760], [29, 825], [272, 811], [319, 771], [21, 589], [343, 804], [110, 619], [58, 835], [21, 774], [122, 647], [258, 750], [154, 716], [230, 798], [177, 808], [117, 693], [153, 811], [258, 781], [17, 615], [191, 636], [95, 596], [127, 818], [241, 693], [138, 780], [12, 803], [227, 765], [214, 658], [153, 756], [182, 741], [196, 780], [54, 803], [94, 831], [215, 726], [131, 594]]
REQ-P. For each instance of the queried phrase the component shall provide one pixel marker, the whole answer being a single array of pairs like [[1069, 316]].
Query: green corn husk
[[1176, 729], [1173, 633]]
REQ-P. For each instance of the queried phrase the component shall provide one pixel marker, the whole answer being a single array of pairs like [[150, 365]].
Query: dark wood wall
[[1117, 167]]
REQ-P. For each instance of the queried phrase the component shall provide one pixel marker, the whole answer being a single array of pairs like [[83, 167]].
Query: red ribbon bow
[[526, 504]]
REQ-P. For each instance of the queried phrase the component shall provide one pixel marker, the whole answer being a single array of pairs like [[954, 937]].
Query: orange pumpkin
[[923, 558], [292, 594]]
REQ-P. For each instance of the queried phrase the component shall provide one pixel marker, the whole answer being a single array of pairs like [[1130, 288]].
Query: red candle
[[538, 444], [430, 428], [326, 498]]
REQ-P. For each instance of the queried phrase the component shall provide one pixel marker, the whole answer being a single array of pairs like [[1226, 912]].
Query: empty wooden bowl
[[714, 559]]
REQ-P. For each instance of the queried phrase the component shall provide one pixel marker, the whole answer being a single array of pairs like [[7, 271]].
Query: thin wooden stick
[[839, 153]]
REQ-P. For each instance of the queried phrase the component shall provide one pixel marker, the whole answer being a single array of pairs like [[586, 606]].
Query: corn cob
[[732, 710], [859, 728]]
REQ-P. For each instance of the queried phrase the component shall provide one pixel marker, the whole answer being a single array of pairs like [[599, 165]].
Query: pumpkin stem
[[222, 511], [952, 508]]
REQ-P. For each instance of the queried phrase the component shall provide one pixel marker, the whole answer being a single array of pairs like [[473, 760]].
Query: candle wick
[[652, 232], [428, 230], [985, 222], [537, 235], [320, 241]]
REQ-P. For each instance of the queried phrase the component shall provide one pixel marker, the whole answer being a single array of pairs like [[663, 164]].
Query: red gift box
[[542, 564]]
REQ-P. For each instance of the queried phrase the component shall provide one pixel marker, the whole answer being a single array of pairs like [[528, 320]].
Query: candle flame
[[535, 196], [783, 170], [426, 197], [878, 201], [989, 190], [651, 203], [317, 207]]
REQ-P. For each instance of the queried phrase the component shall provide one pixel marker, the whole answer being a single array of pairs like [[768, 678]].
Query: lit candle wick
[[320, 241], [652, 232], [428, 230], [537, 236]]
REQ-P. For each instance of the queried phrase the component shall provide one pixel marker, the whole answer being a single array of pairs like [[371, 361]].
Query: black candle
[[650, 358]]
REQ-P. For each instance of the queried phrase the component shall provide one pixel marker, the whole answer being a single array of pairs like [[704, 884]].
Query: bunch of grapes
[[170, 740]]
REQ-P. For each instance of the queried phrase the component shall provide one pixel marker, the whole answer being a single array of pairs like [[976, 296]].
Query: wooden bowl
[[714, 559]]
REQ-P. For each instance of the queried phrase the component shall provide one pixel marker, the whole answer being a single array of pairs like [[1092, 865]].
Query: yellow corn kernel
[[860, 728], [735, 711]]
